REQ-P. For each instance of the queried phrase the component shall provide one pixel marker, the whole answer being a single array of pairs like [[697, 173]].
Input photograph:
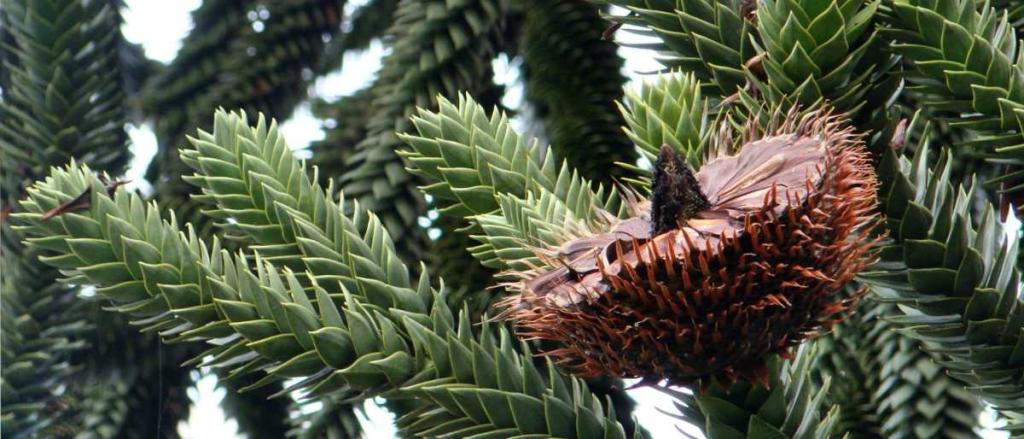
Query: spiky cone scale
[[753, 275]]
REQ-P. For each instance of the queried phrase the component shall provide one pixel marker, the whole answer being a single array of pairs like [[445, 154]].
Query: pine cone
[[739, 261]]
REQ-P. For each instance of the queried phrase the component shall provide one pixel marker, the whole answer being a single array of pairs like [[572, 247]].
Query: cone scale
[[722, 268]]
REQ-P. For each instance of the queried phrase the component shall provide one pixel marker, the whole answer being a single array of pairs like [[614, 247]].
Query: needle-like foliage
[[436, 49], [956, 278], [715, 226], [360, 325]]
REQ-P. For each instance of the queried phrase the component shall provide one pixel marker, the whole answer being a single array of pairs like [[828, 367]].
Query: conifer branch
[[790, 407], [968, 65], [711, 39], [956, 279], [668, 110], [348, 340], [480, 166], [62, 98], [439, 47], [885, 385], [573, 79], [270, 64]]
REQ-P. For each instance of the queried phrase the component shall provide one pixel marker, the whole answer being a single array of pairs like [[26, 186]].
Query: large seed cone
[[784, 224]]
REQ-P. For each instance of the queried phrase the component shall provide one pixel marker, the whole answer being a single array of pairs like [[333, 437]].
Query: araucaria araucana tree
[[803, 226]]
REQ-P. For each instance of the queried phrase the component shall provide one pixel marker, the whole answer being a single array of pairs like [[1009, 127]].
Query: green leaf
[[965, 308]]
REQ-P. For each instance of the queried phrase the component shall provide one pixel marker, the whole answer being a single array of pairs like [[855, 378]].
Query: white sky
[[159, 26]]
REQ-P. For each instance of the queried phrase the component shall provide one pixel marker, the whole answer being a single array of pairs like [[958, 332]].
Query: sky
[[160, 25]]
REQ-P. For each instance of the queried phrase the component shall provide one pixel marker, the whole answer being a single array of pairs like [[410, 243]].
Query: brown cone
[[758, 272]]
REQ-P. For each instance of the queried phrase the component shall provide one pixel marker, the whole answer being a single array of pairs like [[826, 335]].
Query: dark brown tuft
[[675, 194]]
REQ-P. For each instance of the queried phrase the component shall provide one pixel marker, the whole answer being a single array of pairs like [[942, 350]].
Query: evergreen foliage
[[67, 70], [411, 339], [789, 408], [710, 39], [436, 49], [815, 50], [668, 111], [967, 63], [271, 50], [64, 97], [387, 265], [885, 385], [958, 279], [573, 77]]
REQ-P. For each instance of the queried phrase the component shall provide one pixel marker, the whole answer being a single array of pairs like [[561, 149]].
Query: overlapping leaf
[[956, 278], [373, 332], [790, 407], [968, 65], [817, 50], [573, 77], [711, 39], [668, 111], [885, 385], [62, 97], [439, 47], [269, 49], [481, 165]]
